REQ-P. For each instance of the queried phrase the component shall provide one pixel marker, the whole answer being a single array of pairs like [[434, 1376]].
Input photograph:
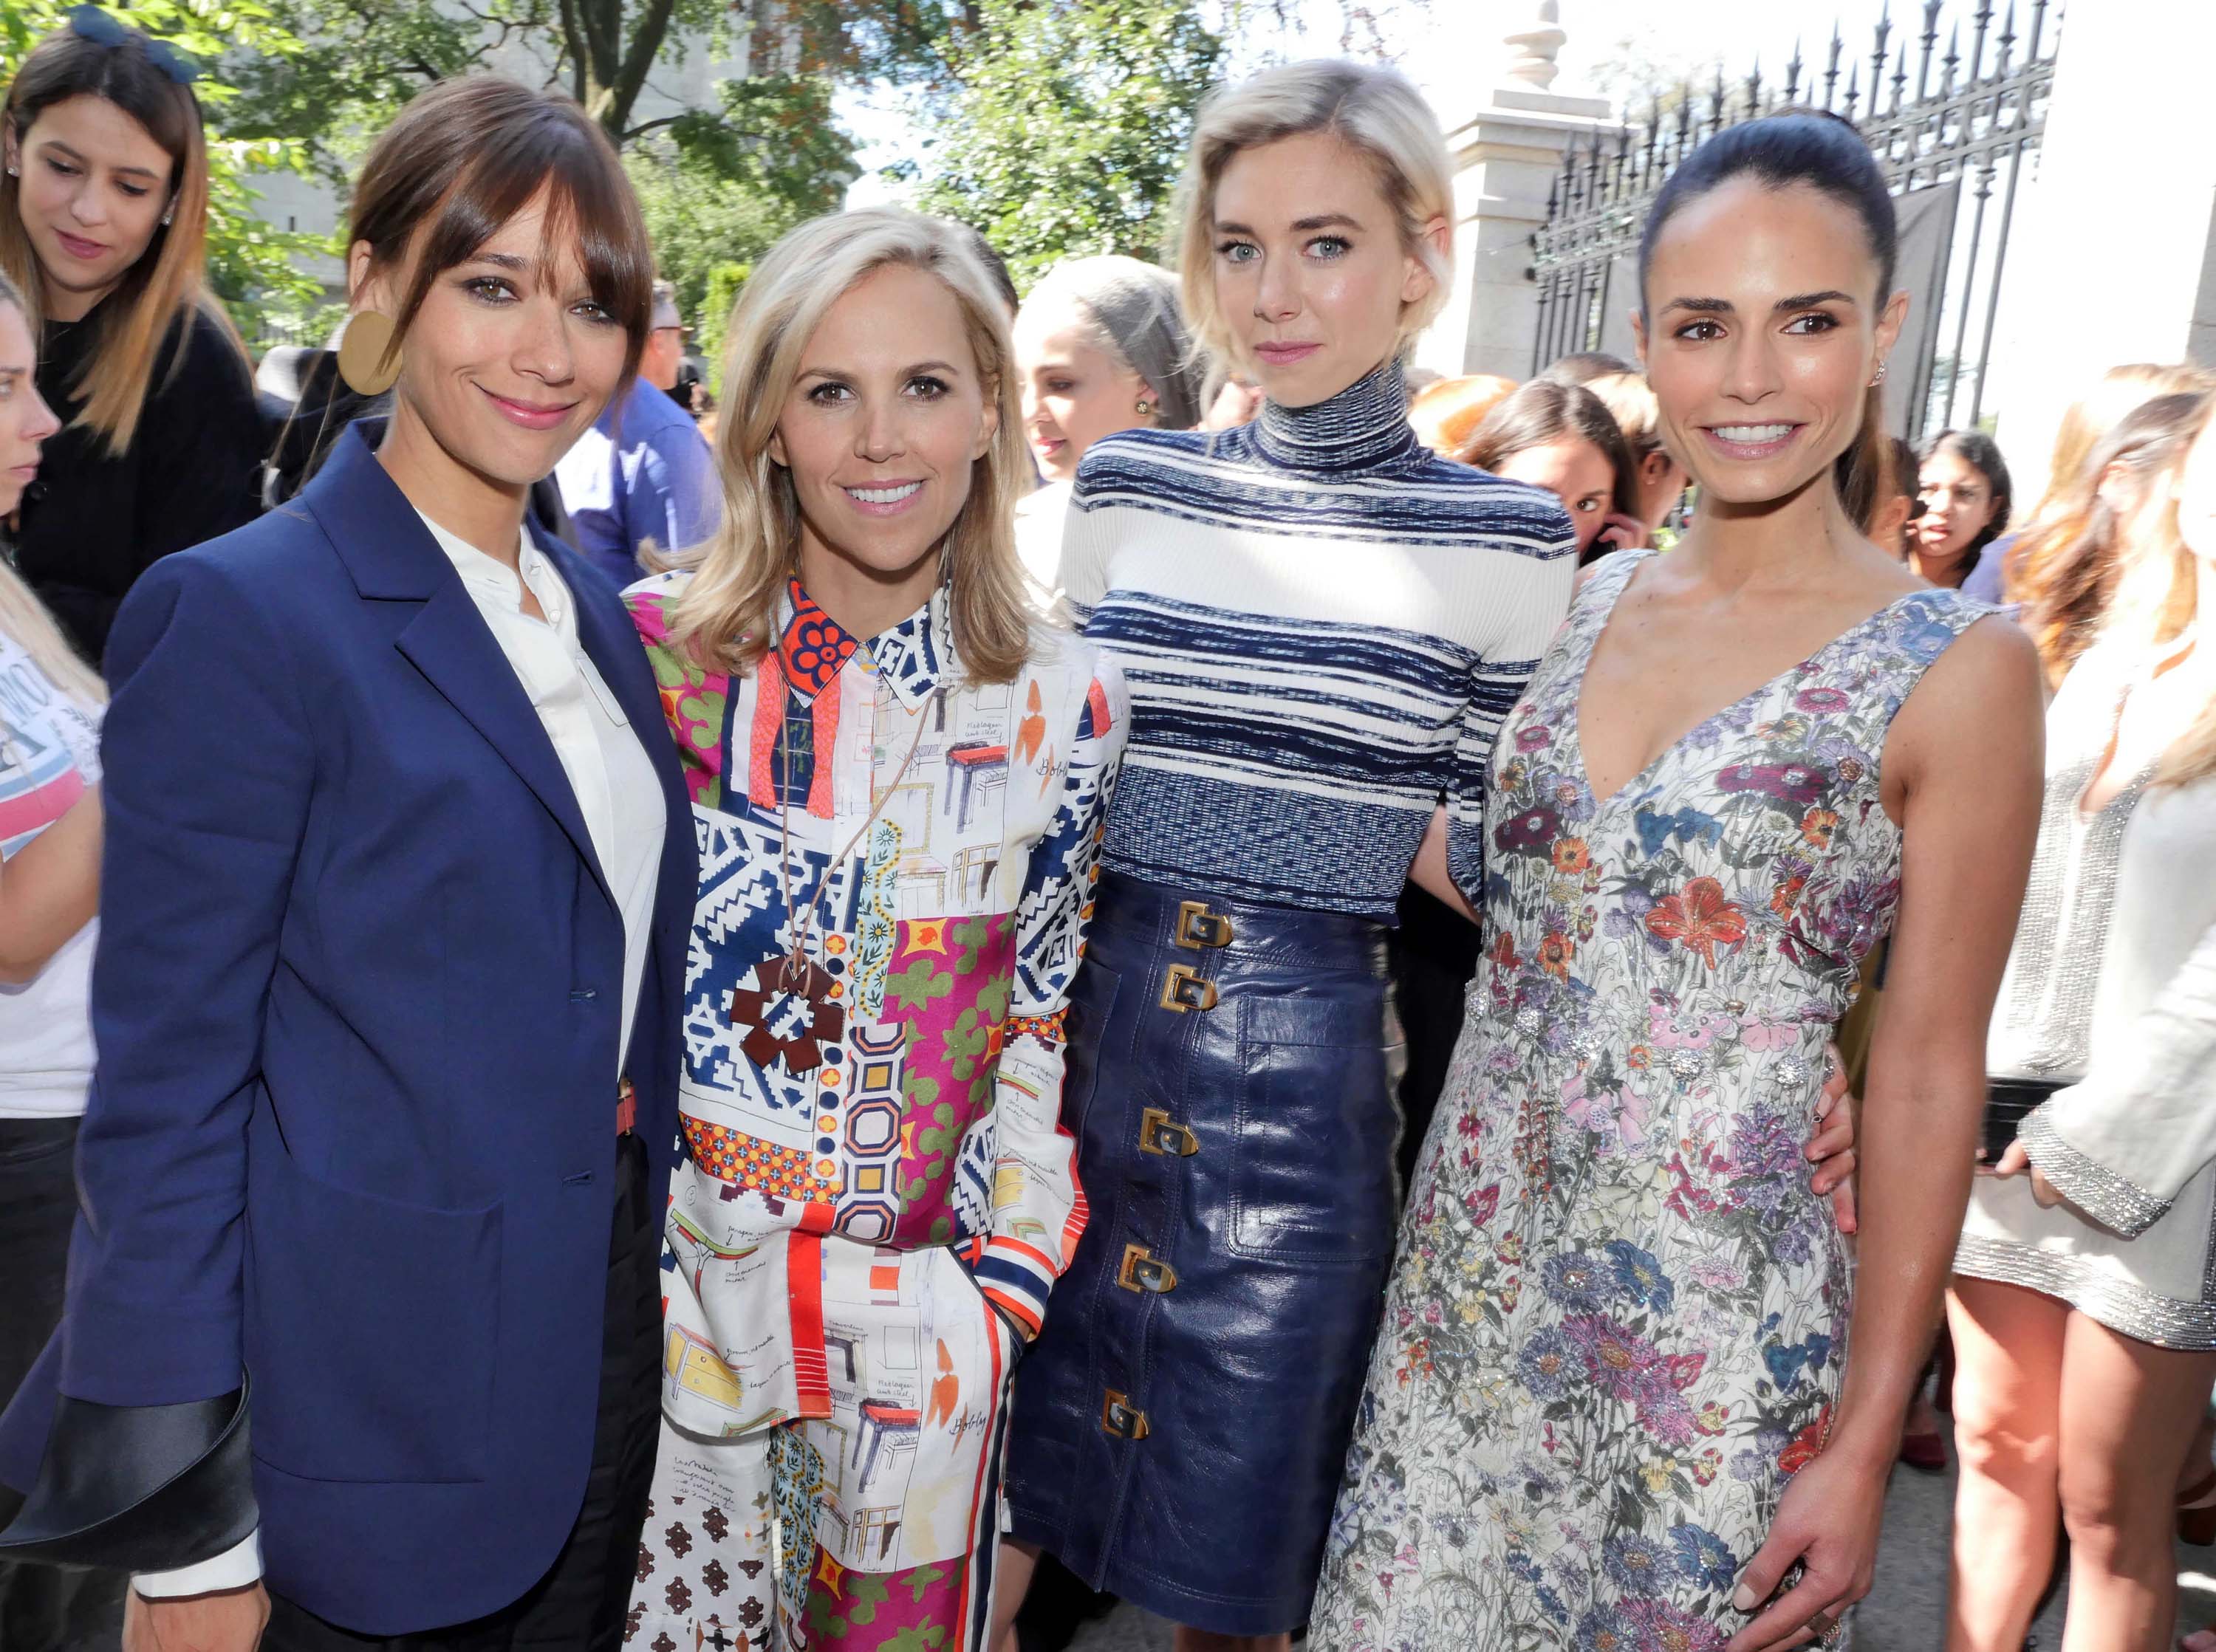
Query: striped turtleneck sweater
[[1323, 625]]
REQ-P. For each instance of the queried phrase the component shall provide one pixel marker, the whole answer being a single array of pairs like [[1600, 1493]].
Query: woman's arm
[[1969, 754], [210, 757], [50, 891], [1429, 873], [1497, 681], [1030, 1235], [2122, 1143]]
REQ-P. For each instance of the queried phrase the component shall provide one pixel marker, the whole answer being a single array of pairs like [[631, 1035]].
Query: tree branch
[[574, 46], [645, 47]]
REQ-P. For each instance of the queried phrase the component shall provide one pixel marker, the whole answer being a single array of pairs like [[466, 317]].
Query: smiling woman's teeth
[[1753, 435], [885, 495]]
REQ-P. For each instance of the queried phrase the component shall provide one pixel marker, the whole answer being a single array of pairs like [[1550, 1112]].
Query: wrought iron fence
[[1953, 136]]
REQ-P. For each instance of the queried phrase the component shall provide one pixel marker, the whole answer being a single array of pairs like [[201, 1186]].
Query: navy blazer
[[357, 1002]]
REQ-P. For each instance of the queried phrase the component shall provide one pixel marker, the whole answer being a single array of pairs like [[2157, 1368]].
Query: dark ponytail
[[1860, 472], [1825, 153]]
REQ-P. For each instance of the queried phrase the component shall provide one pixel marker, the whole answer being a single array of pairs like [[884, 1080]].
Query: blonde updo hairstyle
[[728, 614], [1377, 113]]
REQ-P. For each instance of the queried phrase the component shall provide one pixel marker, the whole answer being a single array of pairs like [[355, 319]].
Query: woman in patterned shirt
[[898, 783]]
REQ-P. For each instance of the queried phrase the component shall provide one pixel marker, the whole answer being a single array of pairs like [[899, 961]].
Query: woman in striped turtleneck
[[1322, 625]]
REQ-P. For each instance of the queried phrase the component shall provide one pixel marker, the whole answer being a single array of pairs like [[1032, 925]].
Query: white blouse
[[617, 789]]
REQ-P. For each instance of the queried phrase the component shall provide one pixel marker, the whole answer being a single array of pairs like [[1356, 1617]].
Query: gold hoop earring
[[369, 356]]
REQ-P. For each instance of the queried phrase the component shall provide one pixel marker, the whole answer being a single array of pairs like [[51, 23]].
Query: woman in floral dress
[[1611, 1405]]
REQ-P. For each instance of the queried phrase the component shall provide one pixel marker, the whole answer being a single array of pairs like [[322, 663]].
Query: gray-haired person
[[1103, 347]]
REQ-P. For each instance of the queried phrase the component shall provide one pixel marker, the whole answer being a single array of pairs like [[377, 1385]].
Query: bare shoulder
[[1994, 657], [1977, 715]]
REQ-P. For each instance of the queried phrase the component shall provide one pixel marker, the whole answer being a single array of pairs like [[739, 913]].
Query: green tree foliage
[[362, 59], [252, 267], [1067, 130], [724, 281], [717, 184], [717, 188]]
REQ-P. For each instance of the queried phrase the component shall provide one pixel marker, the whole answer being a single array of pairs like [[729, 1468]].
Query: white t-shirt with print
[[49, 758]]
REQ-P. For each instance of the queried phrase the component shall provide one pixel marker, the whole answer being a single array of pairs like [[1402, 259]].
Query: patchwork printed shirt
[[919, 1103]]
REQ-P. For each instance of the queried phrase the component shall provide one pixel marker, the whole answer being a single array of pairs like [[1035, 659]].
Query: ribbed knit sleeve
[[1497, 681]]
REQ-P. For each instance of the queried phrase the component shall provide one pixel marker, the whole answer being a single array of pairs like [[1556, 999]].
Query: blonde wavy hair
[[2093, 416], [2157, 601], [23, 619], [1377, 112], [727, 616]]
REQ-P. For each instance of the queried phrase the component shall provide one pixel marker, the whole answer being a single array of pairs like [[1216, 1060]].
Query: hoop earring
[[369, 359]]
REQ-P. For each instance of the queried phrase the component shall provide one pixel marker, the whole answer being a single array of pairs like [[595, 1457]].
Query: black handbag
[[2009, 1101]]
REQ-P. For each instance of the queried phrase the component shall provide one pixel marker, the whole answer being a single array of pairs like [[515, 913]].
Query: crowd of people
[[1081, 940]]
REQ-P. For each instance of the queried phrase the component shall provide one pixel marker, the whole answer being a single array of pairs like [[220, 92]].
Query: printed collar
[[814, 648]]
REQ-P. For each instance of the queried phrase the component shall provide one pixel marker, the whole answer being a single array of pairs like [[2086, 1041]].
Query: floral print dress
[[1617, 1325]]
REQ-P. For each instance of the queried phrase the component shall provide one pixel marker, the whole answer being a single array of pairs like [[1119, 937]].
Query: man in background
[[642, 474]]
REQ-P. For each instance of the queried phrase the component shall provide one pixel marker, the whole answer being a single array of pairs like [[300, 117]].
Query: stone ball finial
[[1533, 48]]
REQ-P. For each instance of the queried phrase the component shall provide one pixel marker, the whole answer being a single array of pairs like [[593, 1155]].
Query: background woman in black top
[[103, 210]]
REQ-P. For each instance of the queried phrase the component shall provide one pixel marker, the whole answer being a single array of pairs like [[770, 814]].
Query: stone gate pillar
[[1507, 153]]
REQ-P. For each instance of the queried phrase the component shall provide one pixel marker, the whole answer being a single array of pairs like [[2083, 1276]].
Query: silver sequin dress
[[2111, 990]]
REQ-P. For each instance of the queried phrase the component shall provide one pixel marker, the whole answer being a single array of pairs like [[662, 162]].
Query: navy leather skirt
[[1180, 1426]]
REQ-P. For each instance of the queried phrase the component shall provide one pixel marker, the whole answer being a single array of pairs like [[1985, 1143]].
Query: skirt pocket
[[1312, 1169]]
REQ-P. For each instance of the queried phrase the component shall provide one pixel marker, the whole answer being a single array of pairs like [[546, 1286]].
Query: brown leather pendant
[[823, 1020]]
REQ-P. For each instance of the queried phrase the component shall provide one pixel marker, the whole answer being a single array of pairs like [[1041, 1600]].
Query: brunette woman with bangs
[[103, 210], [1563, 438], [394, 891]]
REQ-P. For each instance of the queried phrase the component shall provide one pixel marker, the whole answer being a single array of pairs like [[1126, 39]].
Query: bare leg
[[2128, 1409], [1011, 1582], [1206, 1640], [2197, 1469], [2008, 1385]]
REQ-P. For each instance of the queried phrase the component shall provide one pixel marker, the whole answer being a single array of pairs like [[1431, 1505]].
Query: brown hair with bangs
[[468, 155], [167, 285], [1546, 411]]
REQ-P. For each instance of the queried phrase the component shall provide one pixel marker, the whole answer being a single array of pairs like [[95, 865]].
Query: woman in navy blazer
[[398, 851]]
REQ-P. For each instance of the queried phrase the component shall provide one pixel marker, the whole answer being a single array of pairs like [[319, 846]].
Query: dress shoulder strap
[[1602, 586], [1893, 650]]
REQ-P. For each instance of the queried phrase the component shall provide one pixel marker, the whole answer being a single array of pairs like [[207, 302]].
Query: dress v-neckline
[[1577, 732]]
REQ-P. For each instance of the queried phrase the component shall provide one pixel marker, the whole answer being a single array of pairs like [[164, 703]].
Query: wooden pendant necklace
[[793, 977]]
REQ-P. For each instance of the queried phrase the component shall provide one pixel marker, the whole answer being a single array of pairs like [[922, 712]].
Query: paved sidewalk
[[1904, 1613]]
